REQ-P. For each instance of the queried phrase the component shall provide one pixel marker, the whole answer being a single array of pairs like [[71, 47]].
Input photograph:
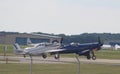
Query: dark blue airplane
[[81, 49]]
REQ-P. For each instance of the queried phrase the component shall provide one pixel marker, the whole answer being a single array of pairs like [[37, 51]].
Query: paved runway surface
[[51, 60]]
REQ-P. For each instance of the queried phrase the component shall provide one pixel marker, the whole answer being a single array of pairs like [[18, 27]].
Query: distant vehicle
[[117, 47], [39, 50], [80, 49], [105, 46]]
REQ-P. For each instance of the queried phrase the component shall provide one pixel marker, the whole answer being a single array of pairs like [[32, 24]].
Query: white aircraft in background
[[40, 50], [29, 43], [33, 45]]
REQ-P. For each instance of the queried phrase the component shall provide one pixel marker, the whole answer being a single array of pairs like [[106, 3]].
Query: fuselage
[[80, 48], [40, 49]]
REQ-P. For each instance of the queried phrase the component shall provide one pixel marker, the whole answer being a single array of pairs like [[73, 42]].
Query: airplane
[[33, 45], [55, 49], [85, 49], [39, 50]]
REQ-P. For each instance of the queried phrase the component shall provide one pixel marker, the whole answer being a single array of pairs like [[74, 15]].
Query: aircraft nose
[[100, 46]]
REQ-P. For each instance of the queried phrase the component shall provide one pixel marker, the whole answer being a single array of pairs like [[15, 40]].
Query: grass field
[[59, 69], [108, 54], [86, 68]]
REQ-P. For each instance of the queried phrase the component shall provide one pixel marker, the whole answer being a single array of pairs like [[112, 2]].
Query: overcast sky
[[60, 16]]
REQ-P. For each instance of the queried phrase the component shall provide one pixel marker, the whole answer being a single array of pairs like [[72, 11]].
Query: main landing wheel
[[93, 57], [88, 57], [56, 56], [44, 56]]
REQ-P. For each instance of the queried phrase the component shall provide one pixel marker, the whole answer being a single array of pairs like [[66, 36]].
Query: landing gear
[[44, 56], [93, 55], [88, 56], [56, 56], [24, 56]]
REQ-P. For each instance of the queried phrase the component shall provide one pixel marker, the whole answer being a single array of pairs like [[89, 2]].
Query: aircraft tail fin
[[17, 49], [29, 41]]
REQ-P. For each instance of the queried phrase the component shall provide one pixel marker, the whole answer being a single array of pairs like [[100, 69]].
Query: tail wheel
[[57, 56]]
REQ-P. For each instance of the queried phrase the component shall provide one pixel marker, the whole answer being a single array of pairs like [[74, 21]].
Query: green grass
[[59, 69], [9, 50], [108, 54], [63, 68], [2, 59]]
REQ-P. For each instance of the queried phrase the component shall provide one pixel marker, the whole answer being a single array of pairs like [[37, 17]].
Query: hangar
[[21, 38]]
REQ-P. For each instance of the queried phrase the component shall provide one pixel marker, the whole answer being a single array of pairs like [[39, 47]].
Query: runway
[[51, 60]]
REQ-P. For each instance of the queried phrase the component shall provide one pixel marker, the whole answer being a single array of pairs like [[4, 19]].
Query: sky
[[60, 16]]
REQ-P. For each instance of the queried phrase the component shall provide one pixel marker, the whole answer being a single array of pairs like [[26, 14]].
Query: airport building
[[21, 38]]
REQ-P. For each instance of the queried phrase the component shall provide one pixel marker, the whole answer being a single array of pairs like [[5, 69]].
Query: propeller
[[61, 40], [100, 43]]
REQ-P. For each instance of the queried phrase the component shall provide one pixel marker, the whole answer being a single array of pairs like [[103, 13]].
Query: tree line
[[82, 38], [88, 37]]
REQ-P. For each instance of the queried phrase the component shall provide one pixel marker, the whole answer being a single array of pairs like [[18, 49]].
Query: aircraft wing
[[55, 50]]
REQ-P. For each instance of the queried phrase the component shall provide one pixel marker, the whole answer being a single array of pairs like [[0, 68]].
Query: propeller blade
[[100, 41], [61, 40]]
